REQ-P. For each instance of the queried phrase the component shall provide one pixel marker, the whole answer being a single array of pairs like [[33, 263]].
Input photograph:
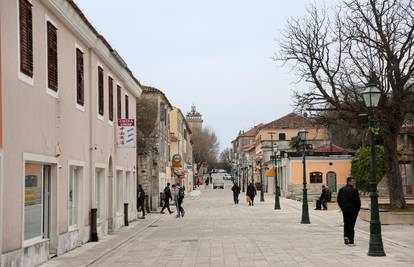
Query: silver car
[[218, 184]]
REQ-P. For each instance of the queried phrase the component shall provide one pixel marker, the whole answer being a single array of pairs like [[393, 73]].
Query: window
[[111, 98], [36, 201], [119, 191], [26, 38], [126, 107], [80, 95], [315, 177], [100, 91], [282, 136], [163, 113], [118, 102], [52, 57], [73, 199], [99, 191]]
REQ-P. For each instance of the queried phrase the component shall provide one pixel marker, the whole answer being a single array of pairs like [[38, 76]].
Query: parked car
[[227, 176], [218, 184]]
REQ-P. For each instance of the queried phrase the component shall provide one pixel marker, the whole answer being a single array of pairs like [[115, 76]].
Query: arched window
[[315, 177]]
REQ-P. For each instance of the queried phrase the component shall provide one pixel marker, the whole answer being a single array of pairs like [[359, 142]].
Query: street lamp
[[303, 135], [371, 96], [261, 181], [277, 199]]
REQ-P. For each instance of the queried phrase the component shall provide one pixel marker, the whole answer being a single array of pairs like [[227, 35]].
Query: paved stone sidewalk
[[215, 232]]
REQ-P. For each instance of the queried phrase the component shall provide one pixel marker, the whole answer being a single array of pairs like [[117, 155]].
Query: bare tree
[[205, 147], [337, 54], [225, 155]]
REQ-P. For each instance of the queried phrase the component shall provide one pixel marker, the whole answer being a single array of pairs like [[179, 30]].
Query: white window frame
[[79, 107], [50, 91], [20, 75], [100, 117], [100, 216], [29, 158], [79, 185], [119, 198]]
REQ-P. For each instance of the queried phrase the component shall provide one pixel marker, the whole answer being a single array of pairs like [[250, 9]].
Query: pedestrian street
[[215, 232]]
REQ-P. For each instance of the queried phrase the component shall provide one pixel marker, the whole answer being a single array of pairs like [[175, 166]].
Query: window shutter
[[100, 91], [80, 99], [26, 38], [126, 107], [52, 57], [118, 102], [111, 98]]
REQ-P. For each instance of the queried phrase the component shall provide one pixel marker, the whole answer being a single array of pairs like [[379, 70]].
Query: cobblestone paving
[[214, 232]]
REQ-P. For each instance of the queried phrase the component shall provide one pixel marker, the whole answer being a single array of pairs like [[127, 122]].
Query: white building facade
[[64, 88]]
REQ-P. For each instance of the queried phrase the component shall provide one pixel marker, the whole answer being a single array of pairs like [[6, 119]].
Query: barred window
[[52, 57], [315, 177], [26, 37]]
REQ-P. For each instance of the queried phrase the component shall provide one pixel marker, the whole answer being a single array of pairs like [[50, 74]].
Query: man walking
[[167, 197], [179, 197], [236, 193], [251, 192], [141, 200], [350, 204]]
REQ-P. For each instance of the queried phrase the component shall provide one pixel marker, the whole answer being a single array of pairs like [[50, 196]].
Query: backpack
[[181, 193]]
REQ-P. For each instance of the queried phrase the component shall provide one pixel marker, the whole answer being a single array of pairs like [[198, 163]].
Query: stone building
[[153, 142], [63, 90], [194, 119]]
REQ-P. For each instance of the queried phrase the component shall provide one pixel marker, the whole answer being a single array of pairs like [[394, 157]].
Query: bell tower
[[194, 118]]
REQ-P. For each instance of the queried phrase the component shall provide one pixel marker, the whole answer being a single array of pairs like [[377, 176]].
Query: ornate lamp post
[[277, 191], [371, 97], [261, 181], [303, 134]]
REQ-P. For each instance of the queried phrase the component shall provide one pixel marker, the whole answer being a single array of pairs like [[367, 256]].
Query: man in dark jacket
[[251, 192], [350, 204], [167, 197], [141, 200], [236, 192]]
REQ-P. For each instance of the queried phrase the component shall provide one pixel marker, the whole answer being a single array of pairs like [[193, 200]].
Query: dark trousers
[[141, 205], [349, 224], [166, 206], [251, 202], [180, 210], [236, 198]]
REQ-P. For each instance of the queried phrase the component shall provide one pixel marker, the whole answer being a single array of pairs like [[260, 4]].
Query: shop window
[[75, 173], [99, 191], [119, 191]]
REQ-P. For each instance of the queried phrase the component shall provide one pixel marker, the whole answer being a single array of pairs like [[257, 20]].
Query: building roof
[[153, 90], [102, 38], [290, 121], [249, 147], [185, 121], [329, 148]]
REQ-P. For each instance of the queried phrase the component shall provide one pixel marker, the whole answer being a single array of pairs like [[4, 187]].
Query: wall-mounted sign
[[126, 133], [177, 161]]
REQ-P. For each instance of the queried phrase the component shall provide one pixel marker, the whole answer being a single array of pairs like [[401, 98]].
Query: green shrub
[[361, 166]]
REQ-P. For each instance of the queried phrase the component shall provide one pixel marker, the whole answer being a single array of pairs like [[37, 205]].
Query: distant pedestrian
[[323, 200], [141, 200], [167, 198], [179, 197], [350, 204], [251, 193], [236, 193]]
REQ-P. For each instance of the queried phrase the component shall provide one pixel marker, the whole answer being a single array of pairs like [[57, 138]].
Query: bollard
[[94, 230], [126, 223]]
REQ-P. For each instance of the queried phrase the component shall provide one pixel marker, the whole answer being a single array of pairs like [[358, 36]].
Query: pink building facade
[[63, 89]]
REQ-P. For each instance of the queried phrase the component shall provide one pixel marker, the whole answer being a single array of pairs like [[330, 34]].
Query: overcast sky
[[216, 54]]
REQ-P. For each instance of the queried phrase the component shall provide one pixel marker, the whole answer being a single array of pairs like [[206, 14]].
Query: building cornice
[[71, 18]]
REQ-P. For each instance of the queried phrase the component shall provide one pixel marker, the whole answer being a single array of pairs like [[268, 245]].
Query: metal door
[[331, 181]]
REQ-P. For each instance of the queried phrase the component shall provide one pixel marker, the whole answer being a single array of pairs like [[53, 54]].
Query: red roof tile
[[329, 148]]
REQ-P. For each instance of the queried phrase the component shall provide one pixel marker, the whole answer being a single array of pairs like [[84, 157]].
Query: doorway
[[331, 181]]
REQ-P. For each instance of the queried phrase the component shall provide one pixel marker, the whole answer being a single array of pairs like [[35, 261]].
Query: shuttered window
[[126, 107], [26, 38], [111, 98], [100, 91], [118, 102], [80, 95], [52, 57]]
